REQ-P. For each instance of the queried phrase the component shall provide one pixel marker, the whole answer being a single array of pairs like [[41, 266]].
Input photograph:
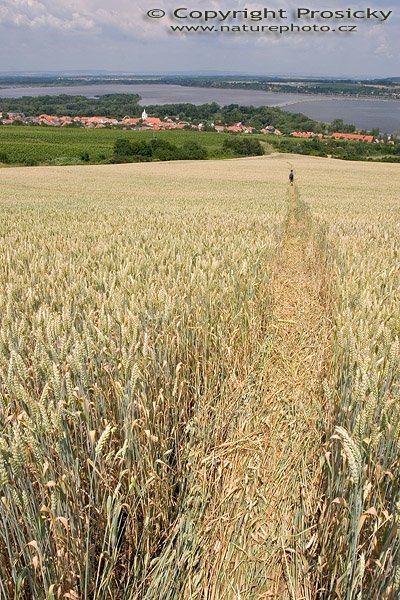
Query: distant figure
[[291, 177]]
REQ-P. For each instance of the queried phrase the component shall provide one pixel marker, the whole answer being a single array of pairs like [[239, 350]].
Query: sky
[[116, 35]]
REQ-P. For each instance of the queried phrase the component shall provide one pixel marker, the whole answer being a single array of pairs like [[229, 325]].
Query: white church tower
[[144, 115]]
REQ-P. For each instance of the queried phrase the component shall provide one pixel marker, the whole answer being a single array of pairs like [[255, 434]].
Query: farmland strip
[[268, 467]]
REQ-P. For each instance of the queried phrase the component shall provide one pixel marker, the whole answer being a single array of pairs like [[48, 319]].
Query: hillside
[[200, 380]]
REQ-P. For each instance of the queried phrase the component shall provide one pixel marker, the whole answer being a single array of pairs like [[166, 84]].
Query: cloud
[[129, 16], [32, 14], [118, 34]]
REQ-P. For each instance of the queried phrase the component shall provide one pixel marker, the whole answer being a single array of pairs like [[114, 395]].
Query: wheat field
[[360, 203], [138, 307]]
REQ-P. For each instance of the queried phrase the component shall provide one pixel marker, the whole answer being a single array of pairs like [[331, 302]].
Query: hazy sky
[[39, 35]]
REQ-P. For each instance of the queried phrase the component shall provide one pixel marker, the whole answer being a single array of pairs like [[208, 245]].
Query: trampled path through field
[[268, 487], [166, 328]]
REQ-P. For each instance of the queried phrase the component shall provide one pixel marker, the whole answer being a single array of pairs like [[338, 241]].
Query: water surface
[[363, 113]]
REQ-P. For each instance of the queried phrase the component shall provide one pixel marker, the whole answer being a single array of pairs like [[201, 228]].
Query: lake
[[363, 113]]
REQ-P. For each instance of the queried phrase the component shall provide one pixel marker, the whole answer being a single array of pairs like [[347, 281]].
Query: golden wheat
[[134, 311], [360, 205], [133, 302]]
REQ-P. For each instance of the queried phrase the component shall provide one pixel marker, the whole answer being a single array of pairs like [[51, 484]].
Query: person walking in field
[[291, 177]]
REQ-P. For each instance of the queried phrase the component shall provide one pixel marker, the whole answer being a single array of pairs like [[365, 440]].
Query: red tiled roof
[[303, 134], [152, 121], [130, 121], [353, 136]]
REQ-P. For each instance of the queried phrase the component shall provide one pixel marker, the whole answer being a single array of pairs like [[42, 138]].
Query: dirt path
[[294, 375], [268, 469]]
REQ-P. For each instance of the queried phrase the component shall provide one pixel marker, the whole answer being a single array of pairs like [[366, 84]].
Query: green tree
[[243, 146], [193, 151]]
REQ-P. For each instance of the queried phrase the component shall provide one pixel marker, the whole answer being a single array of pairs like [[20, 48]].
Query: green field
[[32, 145], [54, 146]]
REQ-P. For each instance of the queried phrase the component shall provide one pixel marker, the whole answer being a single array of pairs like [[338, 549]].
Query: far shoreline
[[71, 85], [366, 113]]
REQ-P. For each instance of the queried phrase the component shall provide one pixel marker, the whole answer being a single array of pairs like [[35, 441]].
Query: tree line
[[345, 150], [161, 149], [109, 105]]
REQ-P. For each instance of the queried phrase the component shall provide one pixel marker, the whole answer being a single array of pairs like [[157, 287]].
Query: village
[[146, 122]]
